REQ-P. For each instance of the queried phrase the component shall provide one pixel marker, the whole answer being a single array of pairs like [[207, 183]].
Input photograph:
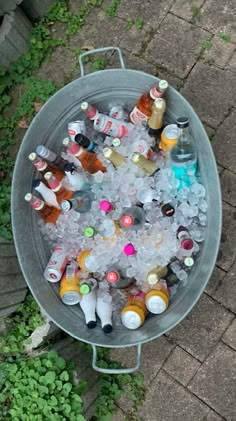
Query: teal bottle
[[183, 155]]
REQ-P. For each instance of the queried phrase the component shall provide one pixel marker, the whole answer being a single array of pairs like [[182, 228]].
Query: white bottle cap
[[131, 319], [28, 197], [163, 84], [107, 152], [156, 305], [84, 106], [152, 278]]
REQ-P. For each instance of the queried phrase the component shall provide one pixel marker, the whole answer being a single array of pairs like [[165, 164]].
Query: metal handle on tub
[[116, 370], [100, 50]]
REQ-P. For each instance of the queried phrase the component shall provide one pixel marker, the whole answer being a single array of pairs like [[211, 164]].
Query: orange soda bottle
[[134, 313], [89, 160], [43, 166], [55, 185], [48, 213], [143, 108]]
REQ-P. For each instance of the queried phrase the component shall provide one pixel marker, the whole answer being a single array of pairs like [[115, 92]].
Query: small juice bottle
[[61, 192], [42, 166], [134, 313], [69, 285], [48, 213]]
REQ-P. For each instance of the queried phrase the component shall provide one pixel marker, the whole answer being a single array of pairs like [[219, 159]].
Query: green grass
[[225, 37], [206, 44]]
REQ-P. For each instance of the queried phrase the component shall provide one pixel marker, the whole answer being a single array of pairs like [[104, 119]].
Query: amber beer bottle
[[43, 166], [48, 213], [143, 109], [89, 161], [55, 185]]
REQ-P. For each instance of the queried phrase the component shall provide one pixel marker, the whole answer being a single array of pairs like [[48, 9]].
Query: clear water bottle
[[183, 155]]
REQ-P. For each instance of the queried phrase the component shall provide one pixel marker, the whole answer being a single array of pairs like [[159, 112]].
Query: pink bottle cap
[[187, 244], [74, 148], [129, 249], [106, 206], [127, 220], [112, 277]]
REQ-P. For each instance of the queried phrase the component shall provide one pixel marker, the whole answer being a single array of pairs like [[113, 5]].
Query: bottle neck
[[184, 138]]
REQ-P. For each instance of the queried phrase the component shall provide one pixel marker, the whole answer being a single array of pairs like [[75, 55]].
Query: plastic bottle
[[80, 201], [48, 213], [43, 167], [89, 161], [50, 156], [143, 108], [183, 155], [47, 194], [157, 301], [117, 279], [145, 164], [104, 310], [76, 179], [90, 111], [169, 137], [61, 192], [114, 157], [84, 141], [69, 285], [88, 306], [134, 313], [132, 218], [155, 122], [186, 241], [110, 126]]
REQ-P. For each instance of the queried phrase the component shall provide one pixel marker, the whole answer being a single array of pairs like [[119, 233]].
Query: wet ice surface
[[155, 243]]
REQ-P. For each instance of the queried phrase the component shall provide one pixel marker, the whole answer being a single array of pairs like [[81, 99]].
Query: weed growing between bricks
[[42, 386]]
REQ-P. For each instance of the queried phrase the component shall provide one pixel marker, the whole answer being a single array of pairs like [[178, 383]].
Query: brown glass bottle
[[89, 161], [43, 166], [55, 185], [48, 213]]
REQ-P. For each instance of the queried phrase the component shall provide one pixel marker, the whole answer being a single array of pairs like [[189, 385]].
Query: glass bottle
[[47, 194], [61, 192], [186, 241], [43, 167], [155, 122], [50, 156], [156, 273], [117, 279], [132, 218], [90, 111], [89, 161], [183, 155], [80, 201], [48, 213], [84, 141], [77, 178], [114, 157], [145, 164], [143, 108]]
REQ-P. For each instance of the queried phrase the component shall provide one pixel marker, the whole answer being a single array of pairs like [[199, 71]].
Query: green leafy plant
[[111, 10], [206, 44], [225, 37], [130, 23], [196, 13], [138, 23], [99, 63]]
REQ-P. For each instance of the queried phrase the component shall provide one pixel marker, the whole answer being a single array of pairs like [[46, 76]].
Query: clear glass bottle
[[132, 218], [80, 201], [183, 155]]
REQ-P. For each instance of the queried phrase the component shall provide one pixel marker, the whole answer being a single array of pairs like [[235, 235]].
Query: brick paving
[[190, 373]]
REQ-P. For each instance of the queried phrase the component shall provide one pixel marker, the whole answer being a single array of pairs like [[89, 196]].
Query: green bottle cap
[[85, 289], [89, 232]]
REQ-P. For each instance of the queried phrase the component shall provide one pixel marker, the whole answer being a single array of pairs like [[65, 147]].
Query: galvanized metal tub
[[49, 127]]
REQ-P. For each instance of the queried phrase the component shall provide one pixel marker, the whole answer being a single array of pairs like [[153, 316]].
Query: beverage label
[[37, 204], [185, 173], [137, 117], [40, 165], [105, 125]]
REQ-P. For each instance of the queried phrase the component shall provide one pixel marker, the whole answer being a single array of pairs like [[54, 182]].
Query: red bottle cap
[[127, 220], [187, 244], [129, 249], [106, 206], [112, 277]]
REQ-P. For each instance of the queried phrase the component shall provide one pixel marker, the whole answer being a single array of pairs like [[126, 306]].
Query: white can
[[110, 126], [75, 127], [118, 112], [56, 265]]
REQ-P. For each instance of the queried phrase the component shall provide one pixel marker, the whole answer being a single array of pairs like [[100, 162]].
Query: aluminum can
[[69, 286], [110, 126], [56, 265], [75, 127]]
